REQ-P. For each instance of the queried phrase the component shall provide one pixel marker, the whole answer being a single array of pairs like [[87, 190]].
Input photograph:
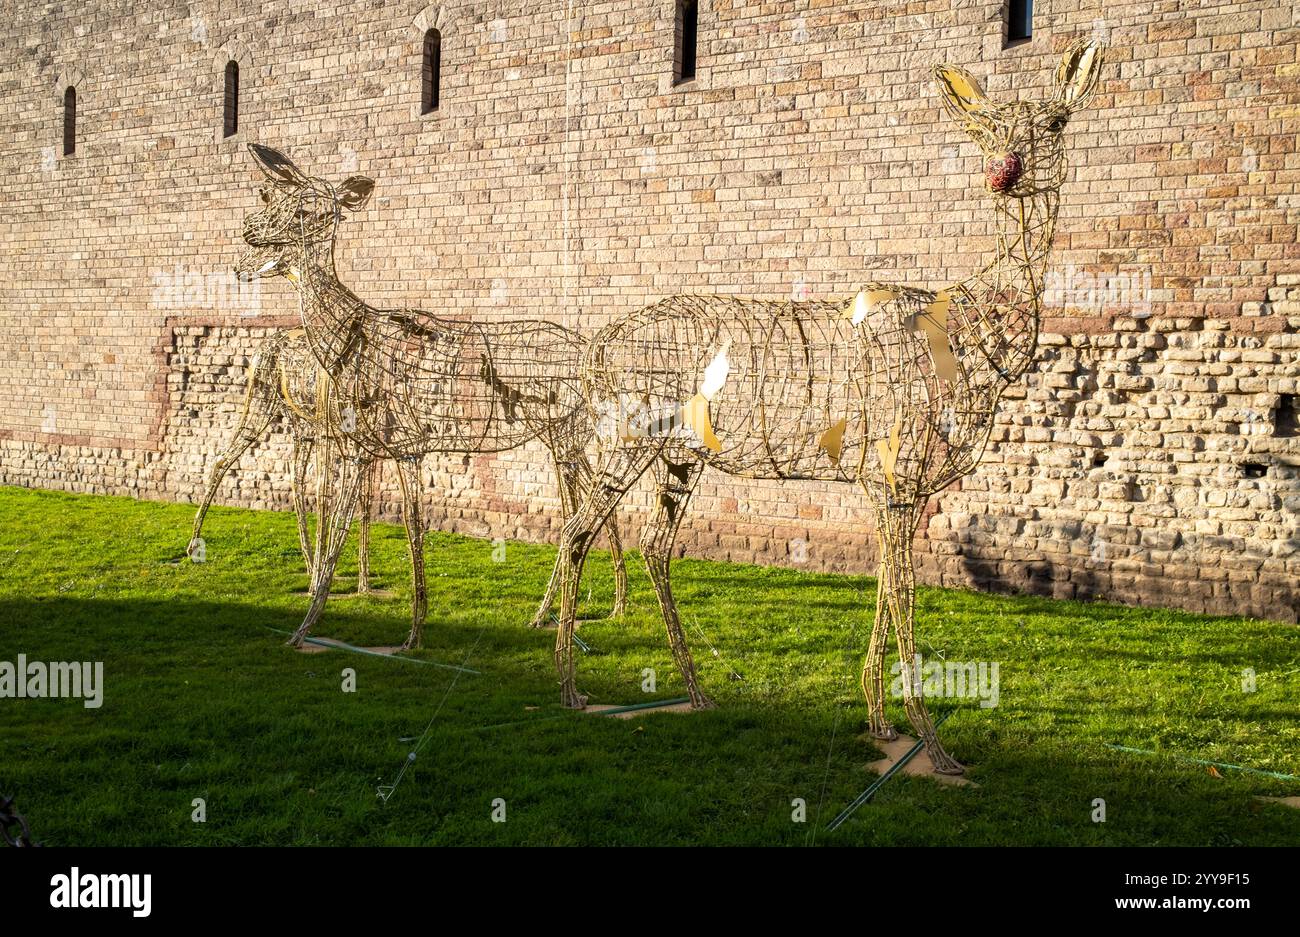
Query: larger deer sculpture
[[894, 390], [402, 384]]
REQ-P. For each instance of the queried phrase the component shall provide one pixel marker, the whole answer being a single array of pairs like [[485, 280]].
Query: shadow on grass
[[203, 701]]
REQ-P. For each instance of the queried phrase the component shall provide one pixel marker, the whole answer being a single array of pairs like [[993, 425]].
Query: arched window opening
[[431, 71], [1020, 20], [70, 121], [688, 16], [230, 110]]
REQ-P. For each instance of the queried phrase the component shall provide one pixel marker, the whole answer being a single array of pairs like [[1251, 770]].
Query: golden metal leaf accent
[[832, 441], [696, 415]]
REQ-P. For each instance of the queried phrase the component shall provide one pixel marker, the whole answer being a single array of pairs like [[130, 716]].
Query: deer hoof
[[945, 764]]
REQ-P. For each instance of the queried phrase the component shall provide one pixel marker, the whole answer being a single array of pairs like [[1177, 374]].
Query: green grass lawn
[[202, 700]]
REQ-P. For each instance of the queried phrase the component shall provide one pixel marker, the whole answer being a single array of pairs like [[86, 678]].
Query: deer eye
[[1056, 125]]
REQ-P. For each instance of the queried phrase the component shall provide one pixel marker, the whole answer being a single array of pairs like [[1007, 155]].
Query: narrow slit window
[[230, 112], [1286, 420], [688, 16], [1020, 20], [69, 121], [431, 72]]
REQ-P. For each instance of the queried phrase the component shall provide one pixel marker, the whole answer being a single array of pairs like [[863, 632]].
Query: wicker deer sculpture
[[284, 383], [894, 390], [401, 384]]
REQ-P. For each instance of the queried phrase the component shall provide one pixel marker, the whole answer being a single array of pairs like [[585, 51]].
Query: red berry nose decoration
[[1002, 172]]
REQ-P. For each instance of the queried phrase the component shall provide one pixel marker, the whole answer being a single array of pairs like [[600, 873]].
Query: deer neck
[[1005, 296], [332, 315]]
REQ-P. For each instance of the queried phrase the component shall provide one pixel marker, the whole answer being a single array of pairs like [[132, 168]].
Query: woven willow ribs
[[807, 393]]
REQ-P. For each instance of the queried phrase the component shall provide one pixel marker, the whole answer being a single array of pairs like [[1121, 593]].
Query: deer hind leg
[[615, 547], [336, 504], [873, 669], [364, 508], [614, 474], [566, 476], [409, 475], [674, 483], [899, 591], [574, 478], [541, 616], [259, 409]]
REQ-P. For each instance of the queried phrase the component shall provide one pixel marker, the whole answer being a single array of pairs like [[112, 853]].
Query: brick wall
[[1151, 456]]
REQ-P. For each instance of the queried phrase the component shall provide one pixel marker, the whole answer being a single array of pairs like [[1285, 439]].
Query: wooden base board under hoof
[[622, 712], [919, 766]]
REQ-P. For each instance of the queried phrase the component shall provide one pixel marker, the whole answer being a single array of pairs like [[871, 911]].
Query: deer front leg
[[364, 509], [335, 517], [873, 668], [573, 551], [253, 422], [304, 445], [409, 476], [900, 603], [674, 483]]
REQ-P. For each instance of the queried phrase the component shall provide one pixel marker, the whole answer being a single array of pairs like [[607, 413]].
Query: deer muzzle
[[1003, 172], [256, 262]]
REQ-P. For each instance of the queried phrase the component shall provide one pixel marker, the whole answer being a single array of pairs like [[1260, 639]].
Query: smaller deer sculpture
[[400, 384]]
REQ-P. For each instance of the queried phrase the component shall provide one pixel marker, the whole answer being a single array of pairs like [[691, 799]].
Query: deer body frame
[[895, 390]]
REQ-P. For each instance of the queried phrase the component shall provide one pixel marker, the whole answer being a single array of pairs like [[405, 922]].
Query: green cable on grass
[[634, 707], [880, 781], [1198, 761]]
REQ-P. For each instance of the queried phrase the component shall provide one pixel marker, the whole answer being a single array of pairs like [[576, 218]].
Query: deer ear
[[355, 192], [276, 166], [1079, 71], [960, 92]]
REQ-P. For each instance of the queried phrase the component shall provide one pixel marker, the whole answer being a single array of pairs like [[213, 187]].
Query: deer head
[[299, 214], [1021, 141]]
